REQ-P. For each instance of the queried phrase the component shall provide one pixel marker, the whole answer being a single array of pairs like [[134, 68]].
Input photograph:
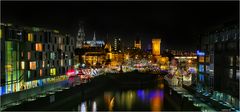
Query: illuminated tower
[[137, 43], [156, 46], [108, 47], [117, 45], [80, 37]]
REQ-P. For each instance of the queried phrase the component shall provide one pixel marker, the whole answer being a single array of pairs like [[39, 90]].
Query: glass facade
[[28, 55], [201, 68], [201, 77], [12, 69]]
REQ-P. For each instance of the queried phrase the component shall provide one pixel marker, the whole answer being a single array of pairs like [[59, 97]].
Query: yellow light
[[30, 37], [40, 72], [53, 71], [33, 65], [156, 47], [43, 64], [201, 59], [22, 65], [38, 46]]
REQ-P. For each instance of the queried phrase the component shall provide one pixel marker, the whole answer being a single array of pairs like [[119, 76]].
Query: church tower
[[80, 36]]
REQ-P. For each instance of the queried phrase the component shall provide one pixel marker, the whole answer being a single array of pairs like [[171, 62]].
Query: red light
[[71, 72]]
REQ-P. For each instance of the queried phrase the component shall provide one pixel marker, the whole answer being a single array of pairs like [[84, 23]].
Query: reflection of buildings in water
[[161, 86], [94, 106], [155, 98], [123, 100], [130, 98], [83, 107], [111, 104], [109, 100], [127, 99]]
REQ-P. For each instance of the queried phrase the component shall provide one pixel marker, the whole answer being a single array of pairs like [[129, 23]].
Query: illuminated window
[[201, 68], [52, 55], [208, 59], [230, 61], [22, 65], [201, 59], [207, 69], [53, 71], [40, 72], [201, 77], [43, 64], [29, 74], [33, 65], [38, 47], [62, 47], [29, 55], [62, 62], [30, 37], [69, 61]]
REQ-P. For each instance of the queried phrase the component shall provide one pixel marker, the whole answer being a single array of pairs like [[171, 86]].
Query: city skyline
[[129, 20], [119, 56]]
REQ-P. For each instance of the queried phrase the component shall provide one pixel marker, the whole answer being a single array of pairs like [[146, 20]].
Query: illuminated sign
[[200, 53]]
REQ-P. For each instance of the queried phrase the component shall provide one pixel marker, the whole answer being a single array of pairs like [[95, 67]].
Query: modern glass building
[[218, 64], [32, 57]]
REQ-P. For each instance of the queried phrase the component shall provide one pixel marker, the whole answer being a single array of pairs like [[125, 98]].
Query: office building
[[32, 57], [218, 64], [117, 45]]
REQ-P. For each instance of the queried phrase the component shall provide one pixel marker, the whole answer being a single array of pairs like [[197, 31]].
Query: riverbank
[[65, 99]]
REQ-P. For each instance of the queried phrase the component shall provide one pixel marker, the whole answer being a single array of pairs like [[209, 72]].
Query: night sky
[[177, 23]]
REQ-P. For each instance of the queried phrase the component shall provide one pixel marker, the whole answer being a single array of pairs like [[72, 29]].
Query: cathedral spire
[[80, 36]]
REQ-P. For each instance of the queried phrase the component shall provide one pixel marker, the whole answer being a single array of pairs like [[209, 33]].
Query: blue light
[[40, 82], [2, 90], [200, 53], [141, 94]]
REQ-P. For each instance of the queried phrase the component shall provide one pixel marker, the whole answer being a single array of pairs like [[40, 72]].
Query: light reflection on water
[[138, 99]]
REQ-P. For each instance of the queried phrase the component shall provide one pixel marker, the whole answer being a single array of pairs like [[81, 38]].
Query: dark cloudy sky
[[177, 23]]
